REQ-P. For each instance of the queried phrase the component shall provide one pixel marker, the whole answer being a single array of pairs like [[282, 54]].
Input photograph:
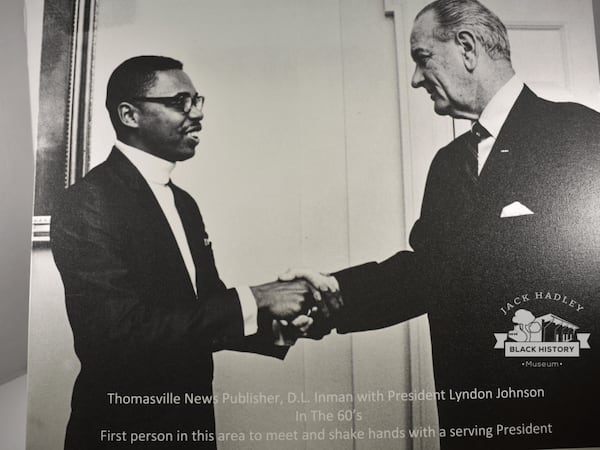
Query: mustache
[[194, 126]]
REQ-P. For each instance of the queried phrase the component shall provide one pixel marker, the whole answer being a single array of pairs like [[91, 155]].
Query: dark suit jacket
[[470, 268], [138, 326]]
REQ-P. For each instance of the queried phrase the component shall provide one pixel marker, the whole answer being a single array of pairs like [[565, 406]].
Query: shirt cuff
[[249, 310]]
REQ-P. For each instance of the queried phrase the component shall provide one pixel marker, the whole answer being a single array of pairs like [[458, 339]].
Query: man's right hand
[[326, 289], [283, 299]]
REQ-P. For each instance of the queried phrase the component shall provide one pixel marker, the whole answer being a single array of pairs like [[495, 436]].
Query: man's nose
[[196, 113], [417, 77]]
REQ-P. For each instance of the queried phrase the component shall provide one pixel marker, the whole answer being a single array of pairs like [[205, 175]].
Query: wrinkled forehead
[[423, 30], [170, 82], [422, 36]]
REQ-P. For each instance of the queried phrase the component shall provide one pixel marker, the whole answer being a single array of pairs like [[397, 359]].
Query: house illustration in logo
[[544, 336], [547, 328]]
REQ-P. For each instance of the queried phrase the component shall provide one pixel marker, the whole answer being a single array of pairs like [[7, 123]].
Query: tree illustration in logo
[[525, 326], [547, 328]]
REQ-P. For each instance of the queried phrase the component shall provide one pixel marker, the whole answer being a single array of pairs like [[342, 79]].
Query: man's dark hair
[[452, 15], [132, 78]]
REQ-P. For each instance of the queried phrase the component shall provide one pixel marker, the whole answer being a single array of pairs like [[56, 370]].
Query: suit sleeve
[[209, 283], [107, 303], [377, 295]]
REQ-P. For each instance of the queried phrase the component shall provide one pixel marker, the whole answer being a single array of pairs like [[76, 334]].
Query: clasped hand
[[303, 300]]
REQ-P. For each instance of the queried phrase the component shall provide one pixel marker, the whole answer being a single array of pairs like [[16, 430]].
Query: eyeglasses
[[182, 102]]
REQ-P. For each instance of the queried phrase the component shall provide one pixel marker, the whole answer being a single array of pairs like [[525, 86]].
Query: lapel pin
[[505, 150]]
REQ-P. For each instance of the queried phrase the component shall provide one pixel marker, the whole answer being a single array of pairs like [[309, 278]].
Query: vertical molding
[[421, 370], [82, 58], [418, 341], [62, 153], [394, 9]]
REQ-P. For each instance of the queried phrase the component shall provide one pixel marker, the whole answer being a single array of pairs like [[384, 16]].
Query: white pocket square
[[515, 209]]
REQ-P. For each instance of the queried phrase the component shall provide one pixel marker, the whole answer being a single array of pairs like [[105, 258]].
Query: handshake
[[301, 303]]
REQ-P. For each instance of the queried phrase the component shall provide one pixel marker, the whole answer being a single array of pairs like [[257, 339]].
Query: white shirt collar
[[152, 168], [496, 111]]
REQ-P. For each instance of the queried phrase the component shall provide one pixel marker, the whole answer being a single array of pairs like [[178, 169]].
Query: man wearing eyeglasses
[[143, 296]]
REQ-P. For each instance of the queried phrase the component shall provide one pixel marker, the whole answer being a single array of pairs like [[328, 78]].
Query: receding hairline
[[451, 15]]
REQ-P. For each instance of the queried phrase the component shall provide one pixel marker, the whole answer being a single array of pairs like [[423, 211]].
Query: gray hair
[[488, 29]]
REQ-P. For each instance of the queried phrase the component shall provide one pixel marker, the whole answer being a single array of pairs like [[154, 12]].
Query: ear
[[128, 114], [465, 39]]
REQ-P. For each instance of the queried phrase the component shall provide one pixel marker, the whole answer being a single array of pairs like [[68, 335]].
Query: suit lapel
[[509, 154], [193, 229], [155, 226]]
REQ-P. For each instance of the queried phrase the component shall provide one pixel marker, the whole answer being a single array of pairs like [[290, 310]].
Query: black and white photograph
[[302, 224]]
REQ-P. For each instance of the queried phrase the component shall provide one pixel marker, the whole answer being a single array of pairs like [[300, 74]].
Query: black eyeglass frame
[[183, 101]]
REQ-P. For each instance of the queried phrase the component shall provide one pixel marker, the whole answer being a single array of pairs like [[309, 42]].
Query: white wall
[[16, 178], [13, 401]]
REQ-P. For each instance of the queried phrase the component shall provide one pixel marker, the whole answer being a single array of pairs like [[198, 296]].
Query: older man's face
[[166, 130], [440, 69]]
